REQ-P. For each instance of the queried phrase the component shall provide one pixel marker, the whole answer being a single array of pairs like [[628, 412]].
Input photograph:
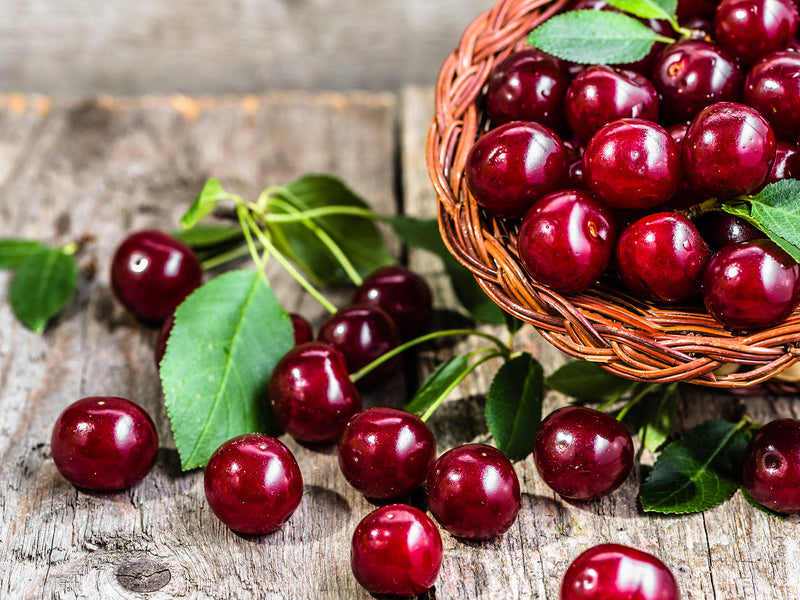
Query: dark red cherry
[[750, 29], [719, 229], [163, 337], [632, 163], [396, 550], [787, 163], [529, 85], [617, 572], [400, 292], [104, 443], [772, 87], [303, 331], [582, 453], [566, 240], [386, 453], [311, 394], [694, 8], [751, 285], [685, 196], [253, 483], [362, 333], [728, 150], [512, 166], [473, 492], [152, 272], [771, 470]]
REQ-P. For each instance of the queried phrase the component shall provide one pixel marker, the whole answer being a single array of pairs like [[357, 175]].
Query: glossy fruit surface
[[728, 150], [311, 394], [566, 239], [386, 453], [302, 329], [750, 29], [510, 167], [253, 483], [617, 572], [104, 443], [772, 87], [787, 163], [473, 492], [581, 453], [720, 229], [772, 466], [396, 550], [152, 272], [661, 257], [750, 285], [632, 163]]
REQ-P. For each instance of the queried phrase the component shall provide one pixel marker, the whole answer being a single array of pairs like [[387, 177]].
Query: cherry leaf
[[205, 202], [43, 284], [586, 380], [439, 383], [659, 415], [648, 9], [14, 251]]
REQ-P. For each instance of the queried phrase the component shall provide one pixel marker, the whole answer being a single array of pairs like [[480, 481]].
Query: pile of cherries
[[599, 164]]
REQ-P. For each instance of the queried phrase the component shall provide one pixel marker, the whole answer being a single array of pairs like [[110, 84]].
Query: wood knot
[[143, 575]]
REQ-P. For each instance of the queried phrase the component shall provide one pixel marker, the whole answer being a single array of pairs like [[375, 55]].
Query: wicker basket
[[630, 338]]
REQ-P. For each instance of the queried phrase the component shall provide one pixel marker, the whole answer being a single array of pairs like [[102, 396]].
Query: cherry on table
[[771, 471]]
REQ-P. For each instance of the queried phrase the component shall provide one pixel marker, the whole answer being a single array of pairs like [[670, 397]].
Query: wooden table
[[107, 166]]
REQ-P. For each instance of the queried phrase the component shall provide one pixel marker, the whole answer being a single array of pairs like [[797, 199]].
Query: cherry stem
[[615, 397], [227, 256], [635, 400]]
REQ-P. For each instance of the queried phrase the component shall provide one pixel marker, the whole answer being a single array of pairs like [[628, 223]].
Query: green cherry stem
[[224, 257], [635, 400]]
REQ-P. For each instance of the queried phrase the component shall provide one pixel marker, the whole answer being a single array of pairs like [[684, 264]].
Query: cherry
[[400, 292], [529, 85], [163, 337], [253, 483], [661, 257], [694, 8], [632, 163], [311, 394], [473, 492], [786, 165], [728, 150], [751, 285], [397, 550], [772, 87], [719, 229], [104, 443], [750, 29], [303, 331], [362, 333], [152, 272], [510, 167], [771, 470], [566, 239], [581, 453], [601, 94], [617, 572], [686, 195], [386, 453]]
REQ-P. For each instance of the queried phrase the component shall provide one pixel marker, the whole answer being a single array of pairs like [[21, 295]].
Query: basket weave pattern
[[629, 337]]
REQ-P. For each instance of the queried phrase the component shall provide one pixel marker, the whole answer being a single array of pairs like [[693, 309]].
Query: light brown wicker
[[628, 337]]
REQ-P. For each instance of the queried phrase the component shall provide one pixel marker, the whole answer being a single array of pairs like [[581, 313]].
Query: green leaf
[[697, 472], [205, 202], [586, 381], [514, 406], [648, 9], [14, 251], [357, 236], [438, 383], [424, 234], [209, 236], [42, 286], [594, 37], [756, 504], [227, 337], [658, 418]]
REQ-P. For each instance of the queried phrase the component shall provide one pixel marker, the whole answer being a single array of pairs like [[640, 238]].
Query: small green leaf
[[205, 202], [14, 251], [756, 504], [699, 471], [648, 9], [514, 406], [443, 378], [227, 338], [585, 380], [42, 286], [658, 418], [205, 237], [594, 37]]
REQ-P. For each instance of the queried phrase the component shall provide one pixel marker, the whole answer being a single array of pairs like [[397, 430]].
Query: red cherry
[[302, 329], [772, 466]]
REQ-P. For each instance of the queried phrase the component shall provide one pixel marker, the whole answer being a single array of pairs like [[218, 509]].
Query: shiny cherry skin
[[618, 572], [396, 550], [750, 29], [362, 333], [632, 163], [104, 443], [253, 483], [751, 285], [403, 294], [772, 87], [473, 492], [719, 229], [787, 163], [771, 471], [529, 85], [311, 394], [686, 195], [386, 453], [566, 240], [303, 332], [692, 74], [510, 167], [582, 453], [728, 150], [601, 94], [152, 272], [661, 257]]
